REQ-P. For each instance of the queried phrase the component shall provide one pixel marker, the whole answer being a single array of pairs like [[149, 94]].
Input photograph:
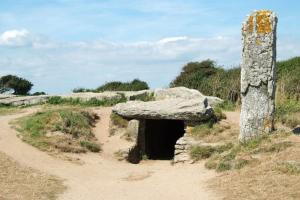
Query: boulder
[[184, 93], [196, 109], [24, 100]]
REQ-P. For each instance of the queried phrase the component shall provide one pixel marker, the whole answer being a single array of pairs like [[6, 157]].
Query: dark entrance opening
[[161, 137]]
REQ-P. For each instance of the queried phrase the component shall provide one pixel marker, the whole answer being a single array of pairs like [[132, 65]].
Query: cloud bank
[[58, 67]]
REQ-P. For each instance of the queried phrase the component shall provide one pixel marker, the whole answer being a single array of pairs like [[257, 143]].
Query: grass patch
[[267, 168], [203, 152], [8, 110], [288, 113], [93, 147], [227, 106], [241, 154], [143, 97], [56, 100], [118, 121], [213, 132], [60, 129]]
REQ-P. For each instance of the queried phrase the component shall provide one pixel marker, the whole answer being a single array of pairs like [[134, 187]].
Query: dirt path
[[101, 177]]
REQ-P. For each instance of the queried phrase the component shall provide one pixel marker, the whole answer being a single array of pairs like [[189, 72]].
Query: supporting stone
[[258, 74]]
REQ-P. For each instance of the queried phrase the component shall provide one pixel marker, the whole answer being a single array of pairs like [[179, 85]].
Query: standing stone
[[258, 74]]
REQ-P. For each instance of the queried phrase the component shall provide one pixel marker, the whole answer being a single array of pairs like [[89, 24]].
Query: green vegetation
[[134, 85], [56, 100], [210, 80], [213, 80], [143, 97], [66, 130], [288, 81], [203, 152], [6, 110], [80, 89], [20, 86], [118, 121], [229, 156], [226, 105], [93, 147], [38, 93], [288, 113]]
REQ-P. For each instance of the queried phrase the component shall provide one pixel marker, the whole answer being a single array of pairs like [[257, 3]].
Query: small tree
[[20, 86]]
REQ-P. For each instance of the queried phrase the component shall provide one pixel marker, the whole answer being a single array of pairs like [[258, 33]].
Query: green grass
[[288, 113], [61, 129], [203, 152], [118, 121], [202, 131], [143, 97], [227, 106], [56, 100], [241, 154], [7, 110], [93, 147]]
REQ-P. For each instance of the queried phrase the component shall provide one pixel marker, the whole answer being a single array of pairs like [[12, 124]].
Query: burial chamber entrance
[[161, 137]]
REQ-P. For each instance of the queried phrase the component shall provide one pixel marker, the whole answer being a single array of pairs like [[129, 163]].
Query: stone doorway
[[161, 137]]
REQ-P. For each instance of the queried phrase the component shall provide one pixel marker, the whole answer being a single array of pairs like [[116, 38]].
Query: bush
[[79, 90], [210, 80], [134, 85], [38, 93], [20, 86]]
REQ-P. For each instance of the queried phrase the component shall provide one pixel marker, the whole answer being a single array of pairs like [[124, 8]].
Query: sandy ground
[[102, 177]]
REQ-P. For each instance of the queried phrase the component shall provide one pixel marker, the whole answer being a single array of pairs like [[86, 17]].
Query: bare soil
[[101, 176]]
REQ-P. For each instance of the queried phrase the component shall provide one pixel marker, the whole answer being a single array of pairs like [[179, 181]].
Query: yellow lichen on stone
[[263, 22], [249, 25], [258, 42]]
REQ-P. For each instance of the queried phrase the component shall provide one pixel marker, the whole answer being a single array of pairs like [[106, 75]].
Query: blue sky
[[63, 44]]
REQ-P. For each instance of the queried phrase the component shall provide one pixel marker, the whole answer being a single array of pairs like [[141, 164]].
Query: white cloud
[[14, 37], [58, 67]]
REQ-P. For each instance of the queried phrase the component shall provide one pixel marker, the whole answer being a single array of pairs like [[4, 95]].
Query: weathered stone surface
[[184, 93], [6, 96], [129, 95], [258, 74], [85, 96], [177, 109], [24, 100], [133, 129]]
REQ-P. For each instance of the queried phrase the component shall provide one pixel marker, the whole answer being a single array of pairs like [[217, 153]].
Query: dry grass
[[219, 132], [274, 175], [22, 183], [8, 110]]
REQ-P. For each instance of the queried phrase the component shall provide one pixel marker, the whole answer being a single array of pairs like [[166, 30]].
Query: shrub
[[78, 90], [20, 86], [210, 80], [134, 85], [38, 93]]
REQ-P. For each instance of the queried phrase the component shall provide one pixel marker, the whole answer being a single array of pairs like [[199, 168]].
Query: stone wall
[[258, 74]]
